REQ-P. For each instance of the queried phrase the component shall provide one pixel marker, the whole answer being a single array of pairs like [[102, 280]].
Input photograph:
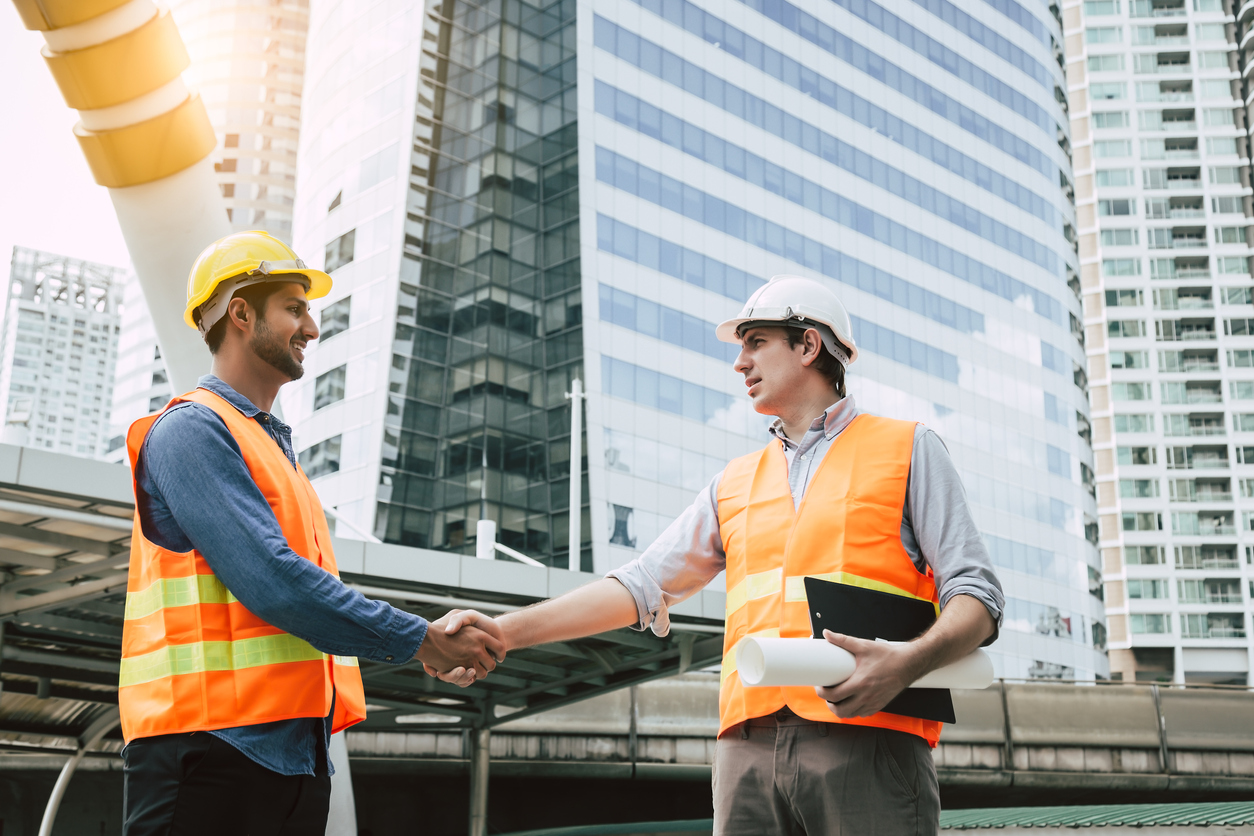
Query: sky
[[48, 199]]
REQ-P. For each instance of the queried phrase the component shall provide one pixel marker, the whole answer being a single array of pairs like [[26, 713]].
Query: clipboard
[[871, 614]]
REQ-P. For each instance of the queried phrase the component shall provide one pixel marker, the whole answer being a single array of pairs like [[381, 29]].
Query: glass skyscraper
[[513, 194], [1162, 169]]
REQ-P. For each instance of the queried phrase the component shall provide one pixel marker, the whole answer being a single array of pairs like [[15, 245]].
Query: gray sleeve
[[678, 564], [938, 524]]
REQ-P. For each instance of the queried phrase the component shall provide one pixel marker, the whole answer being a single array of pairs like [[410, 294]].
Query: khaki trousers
[[782, 774]]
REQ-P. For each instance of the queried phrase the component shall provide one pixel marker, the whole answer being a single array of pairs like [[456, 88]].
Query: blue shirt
[[195, 492]]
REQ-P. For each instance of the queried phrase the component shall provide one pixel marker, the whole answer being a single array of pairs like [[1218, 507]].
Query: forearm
[[962, 627], [599, 607]]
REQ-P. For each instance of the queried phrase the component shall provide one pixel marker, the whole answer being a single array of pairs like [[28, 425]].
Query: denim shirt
[[195, 492]]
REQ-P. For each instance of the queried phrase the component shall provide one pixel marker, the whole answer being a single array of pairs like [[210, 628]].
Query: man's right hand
[[475, 644]]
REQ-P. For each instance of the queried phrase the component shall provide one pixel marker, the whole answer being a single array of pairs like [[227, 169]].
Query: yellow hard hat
[[239, 260]]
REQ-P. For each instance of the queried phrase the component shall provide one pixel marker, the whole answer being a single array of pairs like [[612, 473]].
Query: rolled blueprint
[[777, 662]]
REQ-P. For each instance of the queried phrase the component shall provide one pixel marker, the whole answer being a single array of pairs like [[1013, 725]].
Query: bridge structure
[[624, 706]]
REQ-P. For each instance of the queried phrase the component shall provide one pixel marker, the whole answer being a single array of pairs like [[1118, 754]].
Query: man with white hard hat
[[840, 495]]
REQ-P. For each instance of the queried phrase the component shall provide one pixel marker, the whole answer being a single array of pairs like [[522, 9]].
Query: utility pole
[[576, 396]]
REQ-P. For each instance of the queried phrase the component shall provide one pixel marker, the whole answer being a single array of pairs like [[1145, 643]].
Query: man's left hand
[[883, 671]]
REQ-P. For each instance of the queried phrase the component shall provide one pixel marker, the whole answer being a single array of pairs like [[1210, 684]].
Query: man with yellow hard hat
[[240, 644]]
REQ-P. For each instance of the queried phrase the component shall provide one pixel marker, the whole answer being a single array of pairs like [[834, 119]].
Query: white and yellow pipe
[[147, 138]]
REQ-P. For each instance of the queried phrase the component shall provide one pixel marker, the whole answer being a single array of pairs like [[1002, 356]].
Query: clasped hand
[[461, 647], [883, 671]]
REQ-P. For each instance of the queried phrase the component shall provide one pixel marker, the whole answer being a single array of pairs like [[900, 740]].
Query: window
[[1154, 623], [1108, 91], [1129, 359], [1229, 235], [1110, 177], [1104, 34], [1112, 148], [1245, 455], [1138, 488], [335, 201], [1241, 358], [335, 318], [329, 387], [1111, 119], [1212, 625], [622, 533], [1105, 63], [154, 404], [1130, 391], [1121, 267], [1116, 207], [1210, 32], [1224, 145], [1126, 328], [1124, 298], [322, 458], [1239, 327], [1225, 175], [1137, 455], [228, 190], [1144, 555], [1206, 557], [340, 251], [1242, 390], [1237, 296], [1120, 238], [1147, 589], [1216, 89], [1134, 423], [1094, 8], [1243, 422], [1219, 117], [1233, 265], [1142, 521], [377, 167], [1213, 60], [1230, 205]]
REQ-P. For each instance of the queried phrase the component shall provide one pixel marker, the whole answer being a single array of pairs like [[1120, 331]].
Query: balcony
[[1197, 458], [1212, 625], [1184, 330]]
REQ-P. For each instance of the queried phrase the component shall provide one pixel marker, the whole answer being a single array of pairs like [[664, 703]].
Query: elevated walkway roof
[[65, 527]]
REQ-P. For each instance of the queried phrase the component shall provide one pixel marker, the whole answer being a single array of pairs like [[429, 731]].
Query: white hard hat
[[801, 303]]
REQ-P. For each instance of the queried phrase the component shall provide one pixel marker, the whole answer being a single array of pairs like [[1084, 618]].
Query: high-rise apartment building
[[248, 62], [1163, 196], [512, 195], [59, 344], [141, 385]]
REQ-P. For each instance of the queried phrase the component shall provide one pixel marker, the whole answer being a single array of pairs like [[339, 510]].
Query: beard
[[275, 352]]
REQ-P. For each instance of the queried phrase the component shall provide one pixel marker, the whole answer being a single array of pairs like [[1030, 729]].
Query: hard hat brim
[[319, 285]]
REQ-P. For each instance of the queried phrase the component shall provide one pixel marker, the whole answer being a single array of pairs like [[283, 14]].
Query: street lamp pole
[[576, 396]]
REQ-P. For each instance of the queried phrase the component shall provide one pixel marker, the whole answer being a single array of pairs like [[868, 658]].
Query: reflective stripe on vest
[[846, 529], [199, 657], [194, 658]]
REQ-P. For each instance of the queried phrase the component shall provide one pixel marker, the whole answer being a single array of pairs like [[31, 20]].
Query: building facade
[[1163, 197], [60, 344], [516, 194], [248, 62]]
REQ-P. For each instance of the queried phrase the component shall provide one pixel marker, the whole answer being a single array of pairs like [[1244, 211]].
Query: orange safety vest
[[193, 657], [847, 529]]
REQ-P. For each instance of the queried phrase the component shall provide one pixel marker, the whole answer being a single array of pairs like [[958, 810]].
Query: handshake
[[461, 647]]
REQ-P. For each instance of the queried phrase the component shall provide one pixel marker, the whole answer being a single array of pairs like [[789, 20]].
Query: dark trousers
[[192, 784], [782, 774]]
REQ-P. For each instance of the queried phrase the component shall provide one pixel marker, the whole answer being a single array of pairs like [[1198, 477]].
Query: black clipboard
[[871, 614]]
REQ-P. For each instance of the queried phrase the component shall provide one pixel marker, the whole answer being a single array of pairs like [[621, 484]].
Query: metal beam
[[61, 692], [61, 597], [64, 624], [56, 538], [35, 561], [55, 512], [68, 572], [59, 660]]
